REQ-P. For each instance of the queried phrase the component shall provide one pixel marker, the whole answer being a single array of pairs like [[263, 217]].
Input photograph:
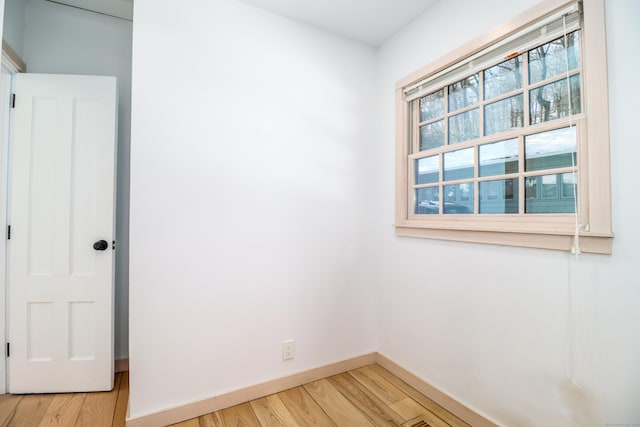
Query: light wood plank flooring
[[368, 396], [107, 409], [364, 397]]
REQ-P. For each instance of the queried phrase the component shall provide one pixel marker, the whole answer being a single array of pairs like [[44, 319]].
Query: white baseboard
[[206, 406], [121, 365], [216, 403], [447, 402]]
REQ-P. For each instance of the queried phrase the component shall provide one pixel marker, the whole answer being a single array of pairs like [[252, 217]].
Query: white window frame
[[549, 231]]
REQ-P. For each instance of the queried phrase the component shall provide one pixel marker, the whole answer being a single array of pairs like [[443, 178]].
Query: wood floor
[[365, 397], [73, 409], [368, 396]]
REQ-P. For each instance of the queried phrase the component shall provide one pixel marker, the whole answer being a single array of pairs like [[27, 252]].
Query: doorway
[[56, 39], [10, 65]]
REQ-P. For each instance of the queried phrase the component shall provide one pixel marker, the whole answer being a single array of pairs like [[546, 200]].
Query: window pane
[[458, 199], [499, 197], [504, 115], [499, 158], [464, 126], [432, 106], [432, 135], [568, 185], [551, 59], [549, 150], [542, 195], [463, 93], [458, 164], [549, 187], [502, 78], [427, 201], [551, 101], [427, 170]]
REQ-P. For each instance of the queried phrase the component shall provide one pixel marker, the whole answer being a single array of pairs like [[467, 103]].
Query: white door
[[61, 212]]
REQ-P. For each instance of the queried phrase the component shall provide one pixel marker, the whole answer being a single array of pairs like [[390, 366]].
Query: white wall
[[262, 205], [64, 40], [13, 29], [2, 6], [247, 173], [490, 325]]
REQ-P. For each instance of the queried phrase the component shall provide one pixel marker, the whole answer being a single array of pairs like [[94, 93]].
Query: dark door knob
[[100, 245]]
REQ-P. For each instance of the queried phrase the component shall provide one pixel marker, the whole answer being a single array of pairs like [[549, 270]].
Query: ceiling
[[369, 21], [118, 8]]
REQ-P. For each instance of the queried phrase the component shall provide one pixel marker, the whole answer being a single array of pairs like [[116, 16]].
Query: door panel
[[61, 202]]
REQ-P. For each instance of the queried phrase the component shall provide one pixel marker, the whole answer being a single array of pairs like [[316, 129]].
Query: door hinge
[[8, 349], [13, 100], [8, 232]]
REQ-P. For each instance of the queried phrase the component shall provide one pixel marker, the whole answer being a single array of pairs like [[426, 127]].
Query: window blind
[[541, 32]]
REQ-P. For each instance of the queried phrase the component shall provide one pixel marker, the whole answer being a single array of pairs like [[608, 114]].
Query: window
[[506, 141]]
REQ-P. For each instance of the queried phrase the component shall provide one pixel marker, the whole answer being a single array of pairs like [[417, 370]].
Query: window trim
[[549, 231]]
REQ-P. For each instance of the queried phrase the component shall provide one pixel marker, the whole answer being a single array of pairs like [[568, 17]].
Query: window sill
[[589, 242]]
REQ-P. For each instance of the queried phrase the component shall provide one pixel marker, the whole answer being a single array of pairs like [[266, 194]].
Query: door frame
[[10, 64]]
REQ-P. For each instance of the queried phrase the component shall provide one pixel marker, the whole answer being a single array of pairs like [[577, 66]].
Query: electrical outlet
[[288, 349]]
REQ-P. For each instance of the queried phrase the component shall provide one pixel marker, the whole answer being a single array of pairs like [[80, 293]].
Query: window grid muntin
[[520, 133]]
